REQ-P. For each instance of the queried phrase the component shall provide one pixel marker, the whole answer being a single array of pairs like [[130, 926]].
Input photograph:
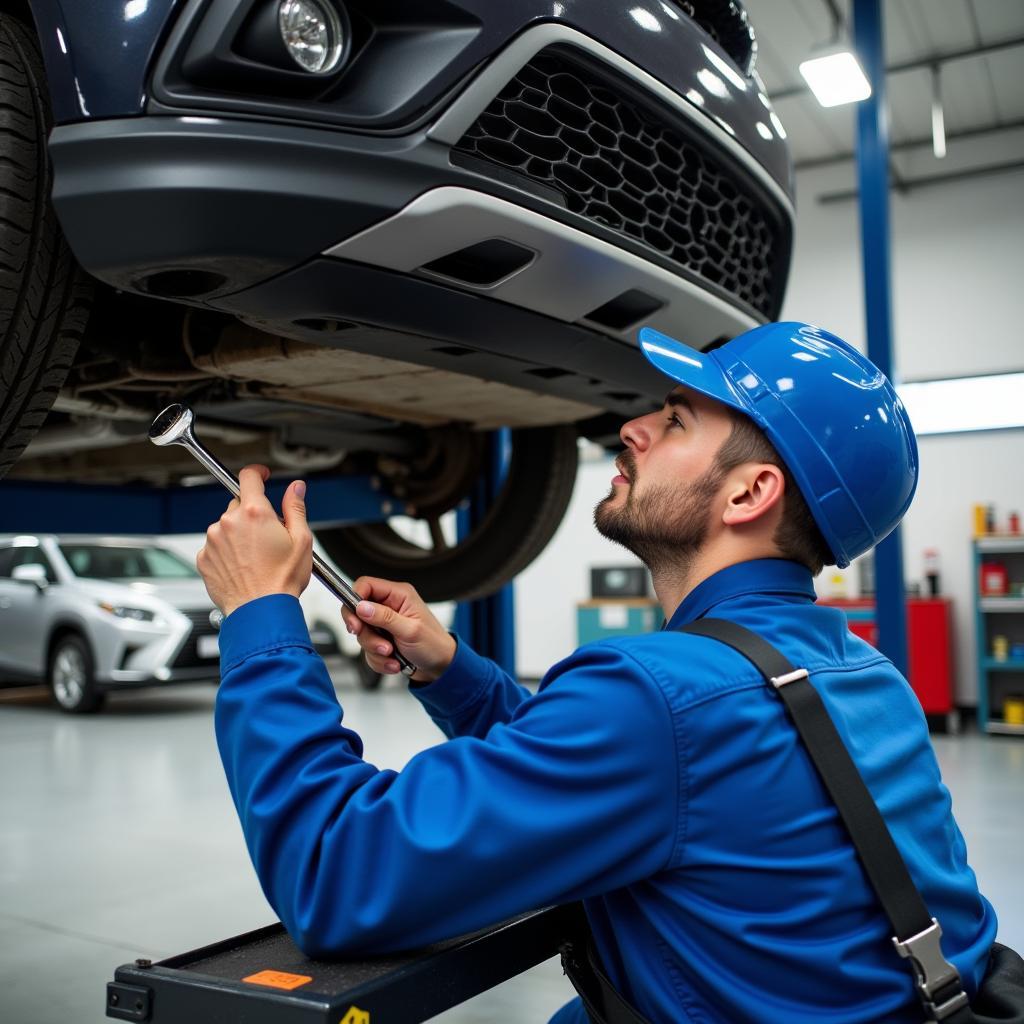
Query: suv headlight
[[125, 612]]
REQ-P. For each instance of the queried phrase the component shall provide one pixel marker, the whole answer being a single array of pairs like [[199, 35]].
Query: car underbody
[[460, 235]]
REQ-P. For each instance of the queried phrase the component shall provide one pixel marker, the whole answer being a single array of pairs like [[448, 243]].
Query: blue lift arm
[[28, 506]]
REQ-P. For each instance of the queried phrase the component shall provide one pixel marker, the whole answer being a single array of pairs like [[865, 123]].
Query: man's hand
[[397, 608], [250, 553]]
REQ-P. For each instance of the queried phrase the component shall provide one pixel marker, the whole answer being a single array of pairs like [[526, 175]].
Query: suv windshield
[[115, 562]]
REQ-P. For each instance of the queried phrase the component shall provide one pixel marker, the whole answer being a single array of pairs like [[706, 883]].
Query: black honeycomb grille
[[570, 128], [188, 656]]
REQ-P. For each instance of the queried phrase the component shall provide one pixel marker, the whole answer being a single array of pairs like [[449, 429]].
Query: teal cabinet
[[601, 618]]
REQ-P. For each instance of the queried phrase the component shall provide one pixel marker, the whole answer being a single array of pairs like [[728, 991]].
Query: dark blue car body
[[460, 229]]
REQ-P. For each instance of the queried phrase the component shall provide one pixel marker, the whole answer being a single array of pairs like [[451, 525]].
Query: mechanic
[[655, 777]]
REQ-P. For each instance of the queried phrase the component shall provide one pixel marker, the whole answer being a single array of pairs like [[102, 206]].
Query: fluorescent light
[[938, 116], [836, 78], [991, 402]]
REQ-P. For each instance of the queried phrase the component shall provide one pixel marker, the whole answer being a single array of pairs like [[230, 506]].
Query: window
[[33, 556], [119, 562], [992, 402]]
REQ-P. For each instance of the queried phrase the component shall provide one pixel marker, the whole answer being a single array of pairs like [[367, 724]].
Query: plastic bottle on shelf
[[931, 571], [1013, 709], [979, 521], [1014, 522], [1000, 648]]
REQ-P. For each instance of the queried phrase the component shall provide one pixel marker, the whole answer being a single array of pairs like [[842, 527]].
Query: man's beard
[[666, 525]]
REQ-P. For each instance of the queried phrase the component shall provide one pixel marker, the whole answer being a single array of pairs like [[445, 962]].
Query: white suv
[[92, 614]]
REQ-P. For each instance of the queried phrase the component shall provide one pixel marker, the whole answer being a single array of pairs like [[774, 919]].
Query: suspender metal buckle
[[790, 677], [934, 972]]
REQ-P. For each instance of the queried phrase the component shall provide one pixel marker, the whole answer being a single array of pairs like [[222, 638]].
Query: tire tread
[[44, 297]]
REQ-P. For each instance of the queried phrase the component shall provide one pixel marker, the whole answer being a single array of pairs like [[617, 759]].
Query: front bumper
[[180, 677], [176, 648], [199, 207]]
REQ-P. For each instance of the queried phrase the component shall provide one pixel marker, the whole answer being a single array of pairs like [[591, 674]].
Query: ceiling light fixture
[[835, 77], [938, 115], [832, 71]]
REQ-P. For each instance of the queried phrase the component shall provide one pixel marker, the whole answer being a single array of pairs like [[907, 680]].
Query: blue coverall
[[655, 777]]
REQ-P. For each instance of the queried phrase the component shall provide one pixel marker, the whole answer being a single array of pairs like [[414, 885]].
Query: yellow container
[[1013, 710], [980, 527]]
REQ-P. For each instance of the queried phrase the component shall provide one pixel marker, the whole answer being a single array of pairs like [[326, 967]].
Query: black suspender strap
[[600, 998], [916, 933]]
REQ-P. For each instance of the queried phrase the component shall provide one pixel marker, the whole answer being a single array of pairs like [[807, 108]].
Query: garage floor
[[118, 840]]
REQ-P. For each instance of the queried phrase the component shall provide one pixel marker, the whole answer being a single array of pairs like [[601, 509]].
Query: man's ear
[[759, 487]]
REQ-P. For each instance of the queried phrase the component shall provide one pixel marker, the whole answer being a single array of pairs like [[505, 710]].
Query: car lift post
[[873, 187], [488, 623]]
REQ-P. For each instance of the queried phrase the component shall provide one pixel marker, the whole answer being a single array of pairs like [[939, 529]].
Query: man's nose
[[636, 433]]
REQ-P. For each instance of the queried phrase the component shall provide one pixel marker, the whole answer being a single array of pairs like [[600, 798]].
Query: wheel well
[[59, 632]]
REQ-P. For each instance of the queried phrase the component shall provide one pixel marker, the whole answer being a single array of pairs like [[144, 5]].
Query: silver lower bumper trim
[[573, 273]]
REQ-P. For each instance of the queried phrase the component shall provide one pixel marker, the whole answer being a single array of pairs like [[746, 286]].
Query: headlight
[[124, 612], [312, 34]]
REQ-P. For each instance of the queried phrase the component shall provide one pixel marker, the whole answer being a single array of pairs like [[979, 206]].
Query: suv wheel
[[369, 679], [44, 299], [70, 676], [521, 520]]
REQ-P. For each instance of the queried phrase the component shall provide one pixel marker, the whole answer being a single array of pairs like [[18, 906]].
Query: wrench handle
[[349, 598], [321, 570]]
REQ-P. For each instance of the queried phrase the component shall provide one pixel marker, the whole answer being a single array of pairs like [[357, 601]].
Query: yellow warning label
[[278, 979], [355, 1016]]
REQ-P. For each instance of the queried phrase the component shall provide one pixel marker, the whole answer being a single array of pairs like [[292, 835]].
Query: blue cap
[[832, 415]]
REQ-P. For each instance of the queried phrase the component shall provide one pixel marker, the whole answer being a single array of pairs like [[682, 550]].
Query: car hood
[[181, 594]]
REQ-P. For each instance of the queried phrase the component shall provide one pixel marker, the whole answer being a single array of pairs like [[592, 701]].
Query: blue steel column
[[488, 624], [873, 184]]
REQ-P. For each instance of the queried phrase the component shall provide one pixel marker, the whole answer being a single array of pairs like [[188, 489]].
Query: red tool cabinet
[[929, 632]]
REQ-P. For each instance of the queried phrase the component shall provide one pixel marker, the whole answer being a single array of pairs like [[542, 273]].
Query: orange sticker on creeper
[[278, 979]]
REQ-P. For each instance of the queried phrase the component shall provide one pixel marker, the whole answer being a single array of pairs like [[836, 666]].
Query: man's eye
[[675, 421]]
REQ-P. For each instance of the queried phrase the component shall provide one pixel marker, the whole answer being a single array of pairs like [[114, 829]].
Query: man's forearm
[[473, 694]]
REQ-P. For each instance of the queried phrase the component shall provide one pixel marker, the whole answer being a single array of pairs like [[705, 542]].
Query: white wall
[[548, 590], [956, 253], [956, 250]]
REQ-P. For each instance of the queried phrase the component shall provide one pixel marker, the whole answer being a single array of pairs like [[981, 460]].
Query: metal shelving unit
[[995, 616]]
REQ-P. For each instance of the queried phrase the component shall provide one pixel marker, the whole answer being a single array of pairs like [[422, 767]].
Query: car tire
[[369, 679], [515, 529], [70, 676], [44, 297]]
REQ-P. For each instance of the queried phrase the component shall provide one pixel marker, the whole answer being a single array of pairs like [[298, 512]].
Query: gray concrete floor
[[118, 840]]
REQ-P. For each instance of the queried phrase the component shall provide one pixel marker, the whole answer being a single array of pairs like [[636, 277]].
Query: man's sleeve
[[577, 794], [471, 695]]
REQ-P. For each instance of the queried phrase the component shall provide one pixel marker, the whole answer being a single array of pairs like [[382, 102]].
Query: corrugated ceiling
[[983, 94]]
